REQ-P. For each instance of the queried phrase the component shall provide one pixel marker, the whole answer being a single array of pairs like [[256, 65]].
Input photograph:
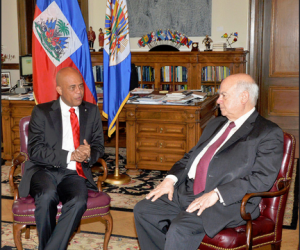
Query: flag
[[59, 40], [116, 61]]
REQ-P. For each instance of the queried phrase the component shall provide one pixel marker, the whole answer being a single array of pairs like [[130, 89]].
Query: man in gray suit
[[239, 152], [65, 139]]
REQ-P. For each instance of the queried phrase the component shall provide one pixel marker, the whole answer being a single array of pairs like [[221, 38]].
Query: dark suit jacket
[[248, 162], [45, 140]]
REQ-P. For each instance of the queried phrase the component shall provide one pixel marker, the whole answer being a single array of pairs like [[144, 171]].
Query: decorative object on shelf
[[101, 39], [195, 46], [164, 37], [6, 57], [234, 39], [5, 80], [207, 40]]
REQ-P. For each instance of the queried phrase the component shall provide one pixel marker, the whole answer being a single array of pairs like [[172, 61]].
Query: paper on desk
[[182, 100], [141, 91], [151, 99]]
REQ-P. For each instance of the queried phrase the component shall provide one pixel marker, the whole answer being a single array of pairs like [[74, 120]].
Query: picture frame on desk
[[5, 80]]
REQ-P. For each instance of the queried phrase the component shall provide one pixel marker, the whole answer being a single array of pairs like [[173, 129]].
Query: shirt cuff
[[69, 157], [173, 177], [220, 196]]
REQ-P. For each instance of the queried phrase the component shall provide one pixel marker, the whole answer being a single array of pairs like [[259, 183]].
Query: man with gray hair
[[239, 152]]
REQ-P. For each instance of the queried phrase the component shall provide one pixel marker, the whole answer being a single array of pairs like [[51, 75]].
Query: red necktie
[[202, 167], [76, 138]]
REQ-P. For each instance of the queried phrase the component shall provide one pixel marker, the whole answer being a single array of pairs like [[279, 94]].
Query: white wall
[[227, 16], [9, 35]]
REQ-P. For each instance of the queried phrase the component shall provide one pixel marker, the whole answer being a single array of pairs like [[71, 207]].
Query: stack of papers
[[182, 94], [151, 99], [219, 46], [141, 91], [179, 101], [19, 97]]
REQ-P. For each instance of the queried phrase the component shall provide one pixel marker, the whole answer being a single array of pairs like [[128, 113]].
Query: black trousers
[[91, 44], [48, 187], [165, 224]]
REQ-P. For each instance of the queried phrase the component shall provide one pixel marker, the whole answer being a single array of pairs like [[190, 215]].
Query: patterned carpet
[[82, 240]]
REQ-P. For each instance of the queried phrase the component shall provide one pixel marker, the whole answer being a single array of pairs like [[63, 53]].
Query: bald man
[[239, 152], [59, 167]]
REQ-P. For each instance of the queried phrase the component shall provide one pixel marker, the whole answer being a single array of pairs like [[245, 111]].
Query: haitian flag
[[116, 61], [59, 40]]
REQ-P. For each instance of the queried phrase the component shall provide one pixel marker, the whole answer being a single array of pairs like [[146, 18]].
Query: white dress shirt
[[67, 142], [238, 123]]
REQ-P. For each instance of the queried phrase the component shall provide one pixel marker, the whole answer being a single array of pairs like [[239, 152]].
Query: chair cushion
[[236, 237], [97, 205]]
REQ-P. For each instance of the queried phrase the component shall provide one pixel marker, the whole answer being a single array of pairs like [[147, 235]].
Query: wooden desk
[[156, 135]]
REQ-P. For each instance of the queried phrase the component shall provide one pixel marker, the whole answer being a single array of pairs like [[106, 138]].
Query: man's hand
[[82, 153], [165, 187], [203, 202]]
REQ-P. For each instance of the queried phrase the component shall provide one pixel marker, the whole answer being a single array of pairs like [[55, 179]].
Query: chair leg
[[17, 228], [27, 232], [108, 229], [276, 246]]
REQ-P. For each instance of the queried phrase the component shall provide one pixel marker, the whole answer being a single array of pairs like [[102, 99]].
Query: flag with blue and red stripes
[[59, 40]]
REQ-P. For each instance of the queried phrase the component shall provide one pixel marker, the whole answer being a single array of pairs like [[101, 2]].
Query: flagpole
[[117, 178]]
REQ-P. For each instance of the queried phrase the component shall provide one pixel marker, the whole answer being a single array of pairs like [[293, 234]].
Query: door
[[274, 61]]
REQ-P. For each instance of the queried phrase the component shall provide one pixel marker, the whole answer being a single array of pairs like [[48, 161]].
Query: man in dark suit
[[65, 139], [239, 152]]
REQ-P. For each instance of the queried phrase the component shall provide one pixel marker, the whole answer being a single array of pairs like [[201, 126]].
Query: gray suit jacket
[[45, 140], [248, 162]]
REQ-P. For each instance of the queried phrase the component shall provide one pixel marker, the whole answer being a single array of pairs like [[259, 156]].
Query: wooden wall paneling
[[284, 49], [84, 6], [274, 61], [23, 44], [283, 101]]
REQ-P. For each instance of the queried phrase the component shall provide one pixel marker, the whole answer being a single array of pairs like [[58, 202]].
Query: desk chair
[[98, 204], [267, 228]]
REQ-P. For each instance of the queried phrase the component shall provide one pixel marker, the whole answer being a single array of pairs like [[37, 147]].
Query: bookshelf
[[174, 70]]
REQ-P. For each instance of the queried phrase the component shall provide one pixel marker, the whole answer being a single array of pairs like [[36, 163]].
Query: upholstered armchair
[[267, 228], [98, 204]]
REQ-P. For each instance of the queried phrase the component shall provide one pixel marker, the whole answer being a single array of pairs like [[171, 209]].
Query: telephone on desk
[[23, 87]]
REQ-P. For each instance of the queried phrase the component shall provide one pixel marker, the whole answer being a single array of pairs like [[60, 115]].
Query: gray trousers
[[165, 224]]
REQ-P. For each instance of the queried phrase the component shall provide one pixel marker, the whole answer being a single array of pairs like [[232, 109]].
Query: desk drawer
[[161, 129], [156, 160], [170, 115], [172, 146]]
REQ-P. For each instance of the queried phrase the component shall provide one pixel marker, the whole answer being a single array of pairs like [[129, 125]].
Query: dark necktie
[[76, 138], [202, 167]]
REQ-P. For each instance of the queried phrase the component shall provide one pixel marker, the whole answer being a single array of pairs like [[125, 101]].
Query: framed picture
[[5, 80]]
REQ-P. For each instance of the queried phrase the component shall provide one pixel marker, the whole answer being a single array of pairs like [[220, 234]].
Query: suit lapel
[[55, 115], [206, 138], [83, 117], [242, 131], [210, 133]]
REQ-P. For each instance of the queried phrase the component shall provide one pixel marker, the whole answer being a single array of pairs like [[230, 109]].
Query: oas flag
[[59, 40], [116, 60]]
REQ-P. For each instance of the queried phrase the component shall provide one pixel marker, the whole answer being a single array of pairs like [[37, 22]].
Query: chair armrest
[[282, 187], [104, 176], [16, 162]]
